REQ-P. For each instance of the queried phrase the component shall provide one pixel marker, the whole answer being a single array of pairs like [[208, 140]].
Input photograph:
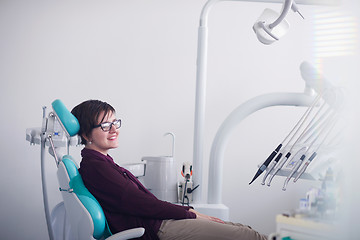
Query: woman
[[125, 201]]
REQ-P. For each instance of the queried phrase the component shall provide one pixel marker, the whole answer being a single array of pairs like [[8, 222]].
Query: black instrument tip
[[256, 176]]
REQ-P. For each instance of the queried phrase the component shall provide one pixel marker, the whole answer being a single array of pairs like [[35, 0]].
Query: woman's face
[[102, 141]]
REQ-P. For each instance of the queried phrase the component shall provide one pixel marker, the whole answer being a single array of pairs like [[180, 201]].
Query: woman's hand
[[206, 217]]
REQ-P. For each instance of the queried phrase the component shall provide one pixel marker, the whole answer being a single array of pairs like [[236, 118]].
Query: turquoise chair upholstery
[[68, 121], [76, 183]]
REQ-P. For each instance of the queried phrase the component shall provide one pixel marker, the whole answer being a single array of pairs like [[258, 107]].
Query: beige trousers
[[195, 229]]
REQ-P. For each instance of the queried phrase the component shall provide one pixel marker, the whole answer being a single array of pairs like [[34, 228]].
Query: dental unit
[[269, 28], [315, 82]]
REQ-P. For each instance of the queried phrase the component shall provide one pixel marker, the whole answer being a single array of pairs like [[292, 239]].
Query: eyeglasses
[[106, 126]]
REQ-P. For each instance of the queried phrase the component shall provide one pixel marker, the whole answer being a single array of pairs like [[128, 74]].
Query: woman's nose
[[112, 128]]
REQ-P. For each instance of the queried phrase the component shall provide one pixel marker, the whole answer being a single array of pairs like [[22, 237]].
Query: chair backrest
[[83, 210]]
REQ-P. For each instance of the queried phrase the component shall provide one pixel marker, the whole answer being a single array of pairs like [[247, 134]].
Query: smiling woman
[[125, 201]]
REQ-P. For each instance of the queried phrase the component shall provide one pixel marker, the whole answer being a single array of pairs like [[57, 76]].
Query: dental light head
[[271, 26]]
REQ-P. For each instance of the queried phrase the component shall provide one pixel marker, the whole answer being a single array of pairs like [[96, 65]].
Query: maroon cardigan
[[125, 201]]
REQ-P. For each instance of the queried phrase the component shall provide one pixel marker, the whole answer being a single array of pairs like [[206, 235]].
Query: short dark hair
[[88, 113]]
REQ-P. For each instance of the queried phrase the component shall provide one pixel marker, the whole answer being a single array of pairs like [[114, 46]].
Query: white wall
[[140, 56]]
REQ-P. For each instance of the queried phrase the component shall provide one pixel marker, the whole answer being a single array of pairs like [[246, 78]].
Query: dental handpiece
[[266, 163], [293, 171], [306, 164], [278, 166], [304, 167], [271, 167], [309, 125]]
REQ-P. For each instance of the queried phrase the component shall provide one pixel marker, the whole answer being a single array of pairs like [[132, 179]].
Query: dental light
[[271, 26]]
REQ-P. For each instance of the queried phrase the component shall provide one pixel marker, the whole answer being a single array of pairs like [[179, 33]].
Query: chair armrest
[[127, 234]]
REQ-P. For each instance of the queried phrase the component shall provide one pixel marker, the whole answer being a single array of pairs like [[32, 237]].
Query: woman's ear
[[86, 138]]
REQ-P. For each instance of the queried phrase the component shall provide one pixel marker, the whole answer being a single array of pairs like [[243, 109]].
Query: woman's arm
[[117, 193]]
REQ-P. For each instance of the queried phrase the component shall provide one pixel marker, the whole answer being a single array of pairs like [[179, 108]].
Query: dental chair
[[80, 215]]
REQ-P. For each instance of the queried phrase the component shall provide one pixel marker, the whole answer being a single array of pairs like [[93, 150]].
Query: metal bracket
[[69, 190]]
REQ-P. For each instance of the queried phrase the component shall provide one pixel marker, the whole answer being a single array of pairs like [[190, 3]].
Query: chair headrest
[[67, 120]]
